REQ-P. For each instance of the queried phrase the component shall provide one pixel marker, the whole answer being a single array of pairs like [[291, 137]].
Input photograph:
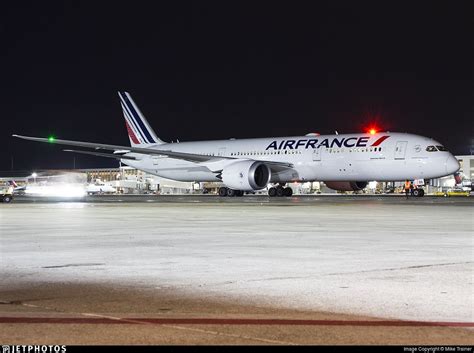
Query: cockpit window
[[431, 149], [441, 148]]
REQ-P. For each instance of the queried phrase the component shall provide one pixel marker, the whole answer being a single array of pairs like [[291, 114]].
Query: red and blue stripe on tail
[[138, 129]]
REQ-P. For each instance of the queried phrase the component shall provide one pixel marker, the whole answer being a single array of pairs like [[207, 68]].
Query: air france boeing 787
[[344, 162]]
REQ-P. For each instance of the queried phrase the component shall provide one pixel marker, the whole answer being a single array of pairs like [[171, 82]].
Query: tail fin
[[138, 129]]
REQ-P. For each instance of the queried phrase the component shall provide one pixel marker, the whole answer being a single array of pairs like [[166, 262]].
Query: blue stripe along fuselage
[[313, 143], [137, 118]]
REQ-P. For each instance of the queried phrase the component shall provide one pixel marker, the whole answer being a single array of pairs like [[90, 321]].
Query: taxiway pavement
[[387, 258]]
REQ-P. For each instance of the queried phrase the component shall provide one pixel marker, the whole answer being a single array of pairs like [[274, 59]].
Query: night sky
[[230, 70]]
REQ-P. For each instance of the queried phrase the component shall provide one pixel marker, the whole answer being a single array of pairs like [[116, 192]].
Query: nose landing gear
[[418, 192]]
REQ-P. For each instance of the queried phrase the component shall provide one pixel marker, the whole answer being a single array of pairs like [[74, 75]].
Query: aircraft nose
[[452, 164]]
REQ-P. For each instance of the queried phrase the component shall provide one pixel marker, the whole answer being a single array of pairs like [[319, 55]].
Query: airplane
[[345, 162]]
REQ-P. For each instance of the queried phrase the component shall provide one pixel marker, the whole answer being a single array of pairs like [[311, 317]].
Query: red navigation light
[[372, 129]]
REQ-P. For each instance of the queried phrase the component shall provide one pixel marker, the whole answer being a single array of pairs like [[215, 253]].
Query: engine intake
[[246, 175], [346, 185]]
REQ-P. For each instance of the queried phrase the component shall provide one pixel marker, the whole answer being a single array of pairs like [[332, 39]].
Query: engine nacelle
[[246, 175], [346, 185]]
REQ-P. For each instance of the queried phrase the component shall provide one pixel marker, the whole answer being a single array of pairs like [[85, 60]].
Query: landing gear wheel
[[272, 192], [231, 192], [280, 191], [222, 191], [420, 193], [239, 193], [288, 191]]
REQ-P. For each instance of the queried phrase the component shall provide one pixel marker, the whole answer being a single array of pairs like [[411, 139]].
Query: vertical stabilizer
[[138, 129]]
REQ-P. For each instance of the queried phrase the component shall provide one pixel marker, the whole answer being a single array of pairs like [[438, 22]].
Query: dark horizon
[[231, 71]]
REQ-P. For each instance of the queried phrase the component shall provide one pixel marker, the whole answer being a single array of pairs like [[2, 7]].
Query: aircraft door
[[400, 150], [317, 154]]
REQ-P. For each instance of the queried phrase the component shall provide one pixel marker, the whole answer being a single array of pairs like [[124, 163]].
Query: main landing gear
[[280, 191], [223, 191]]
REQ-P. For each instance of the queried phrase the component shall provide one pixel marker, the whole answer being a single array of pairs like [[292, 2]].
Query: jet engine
[[346, 185], [246, 175]]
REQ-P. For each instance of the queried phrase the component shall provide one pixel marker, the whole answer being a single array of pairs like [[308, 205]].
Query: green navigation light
[[51, 139]]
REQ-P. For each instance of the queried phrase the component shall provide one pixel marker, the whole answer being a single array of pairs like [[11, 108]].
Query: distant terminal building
[[130, 180], [467, 166], [127, 180]]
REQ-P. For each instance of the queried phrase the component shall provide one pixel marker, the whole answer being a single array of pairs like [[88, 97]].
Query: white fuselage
[[349, 157]]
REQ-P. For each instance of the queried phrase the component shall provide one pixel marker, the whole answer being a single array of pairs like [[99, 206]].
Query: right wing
[[192, 157], [150, 151]]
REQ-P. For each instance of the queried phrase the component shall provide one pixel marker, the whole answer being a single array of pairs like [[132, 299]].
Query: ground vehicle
[[452, 193], [6, 193], [99, 188]]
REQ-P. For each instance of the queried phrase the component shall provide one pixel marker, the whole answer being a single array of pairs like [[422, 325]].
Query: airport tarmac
[[351, 270]]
